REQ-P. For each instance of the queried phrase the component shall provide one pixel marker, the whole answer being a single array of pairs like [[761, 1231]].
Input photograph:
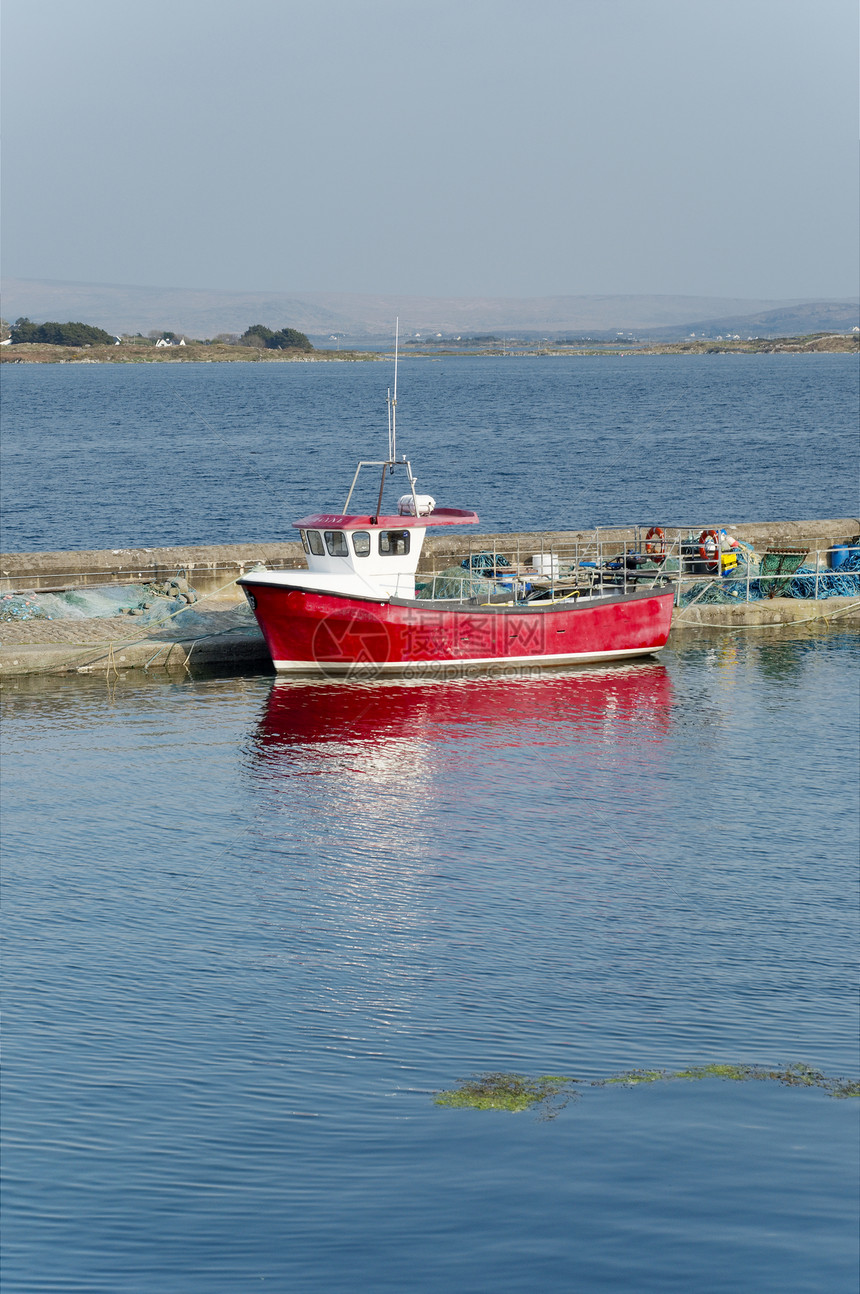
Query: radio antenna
[[392, 401]]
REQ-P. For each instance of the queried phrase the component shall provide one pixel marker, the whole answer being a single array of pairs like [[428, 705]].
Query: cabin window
[[361, 542], [304, 535], [394, 543], [315, 543], [335, 541]]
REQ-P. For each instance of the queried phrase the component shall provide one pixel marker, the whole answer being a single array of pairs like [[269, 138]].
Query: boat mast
[[391, 462], [392, 401]]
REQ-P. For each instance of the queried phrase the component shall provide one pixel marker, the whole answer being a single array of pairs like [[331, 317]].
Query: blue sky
[[458, 148]]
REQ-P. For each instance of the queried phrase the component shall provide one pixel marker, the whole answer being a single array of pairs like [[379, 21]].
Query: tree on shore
[[283, 339], [289, 339], [60, 334]]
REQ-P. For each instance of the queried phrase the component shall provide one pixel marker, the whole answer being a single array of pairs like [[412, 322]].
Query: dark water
[[251, 927], [112, 456]]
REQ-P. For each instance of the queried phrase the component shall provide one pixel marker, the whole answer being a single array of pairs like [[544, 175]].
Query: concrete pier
[[218, 631]]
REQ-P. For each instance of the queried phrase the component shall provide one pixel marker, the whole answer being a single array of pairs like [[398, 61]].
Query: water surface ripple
[[123, 455], [251, 927]]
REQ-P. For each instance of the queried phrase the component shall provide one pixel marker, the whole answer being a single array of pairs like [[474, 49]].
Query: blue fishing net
[[843, 583], [484, 563], [149, 602]]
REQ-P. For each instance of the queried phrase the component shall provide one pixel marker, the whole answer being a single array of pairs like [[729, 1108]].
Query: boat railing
[[702, 563], [389, 466]]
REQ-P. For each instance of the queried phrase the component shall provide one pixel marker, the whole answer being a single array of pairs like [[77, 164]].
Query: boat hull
[[316, 632]]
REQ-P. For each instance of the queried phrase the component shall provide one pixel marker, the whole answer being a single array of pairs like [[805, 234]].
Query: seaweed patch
[[550, 1093], [512, 1092], [796, 1075]]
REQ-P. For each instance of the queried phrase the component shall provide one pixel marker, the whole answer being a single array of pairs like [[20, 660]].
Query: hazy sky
[[435, 147]]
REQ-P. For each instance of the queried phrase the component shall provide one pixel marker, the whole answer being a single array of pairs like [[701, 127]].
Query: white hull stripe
[[451, 666]]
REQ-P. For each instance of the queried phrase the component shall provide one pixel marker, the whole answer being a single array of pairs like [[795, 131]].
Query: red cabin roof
[[337, 521]]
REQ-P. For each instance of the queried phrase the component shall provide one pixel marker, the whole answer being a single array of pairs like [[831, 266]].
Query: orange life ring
[[658, 534], [710, 551]]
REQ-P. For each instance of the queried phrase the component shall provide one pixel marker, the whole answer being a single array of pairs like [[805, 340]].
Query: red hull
[[315, 632]]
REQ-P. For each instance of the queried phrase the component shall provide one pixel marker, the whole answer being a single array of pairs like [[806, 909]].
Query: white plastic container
[[546, 564], [406, 505]]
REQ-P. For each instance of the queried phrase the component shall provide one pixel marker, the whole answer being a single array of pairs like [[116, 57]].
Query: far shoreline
[[202, 353]]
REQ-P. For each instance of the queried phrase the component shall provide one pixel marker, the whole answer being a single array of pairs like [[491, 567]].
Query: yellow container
[[730, 561]]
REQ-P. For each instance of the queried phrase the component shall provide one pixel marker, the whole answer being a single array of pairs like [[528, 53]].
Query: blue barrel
[[839, 556]]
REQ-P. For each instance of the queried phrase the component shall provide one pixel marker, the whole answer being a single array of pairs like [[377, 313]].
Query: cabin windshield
[[361, 543], [394, 543], [335, 541], [315, 543]]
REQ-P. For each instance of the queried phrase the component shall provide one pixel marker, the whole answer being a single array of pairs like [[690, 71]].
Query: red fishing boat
[[355, 609]]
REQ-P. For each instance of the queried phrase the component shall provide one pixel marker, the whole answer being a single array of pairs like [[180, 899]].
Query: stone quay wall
[[216, 566]]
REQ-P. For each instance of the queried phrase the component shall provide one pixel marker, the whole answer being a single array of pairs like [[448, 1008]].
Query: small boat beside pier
[[356, 608]]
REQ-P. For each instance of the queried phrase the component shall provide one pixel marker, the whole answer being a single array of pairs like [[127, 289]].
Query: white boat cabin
[[378, 553]]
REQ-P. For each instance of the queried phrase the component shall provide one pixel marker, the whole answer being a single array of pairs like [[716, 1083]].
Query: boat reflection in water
[[516, 712], [380, 802]]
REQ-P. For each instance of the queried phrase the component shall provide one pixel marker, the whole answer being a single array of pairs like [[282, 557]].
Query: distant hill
[[357, 317], [786, 321]]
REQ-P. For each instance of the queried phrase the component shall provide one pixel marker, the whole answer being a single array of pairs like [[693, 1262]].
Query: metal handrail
[[593, 564]]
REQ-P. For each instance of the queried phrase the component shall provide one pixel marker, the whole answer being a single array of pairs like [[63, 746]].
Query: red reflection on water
[[299, 713]]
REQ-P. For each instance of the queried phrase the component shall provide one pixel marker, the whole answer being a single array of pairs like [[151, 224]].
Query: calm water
[[252, 926], [112, 456]]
